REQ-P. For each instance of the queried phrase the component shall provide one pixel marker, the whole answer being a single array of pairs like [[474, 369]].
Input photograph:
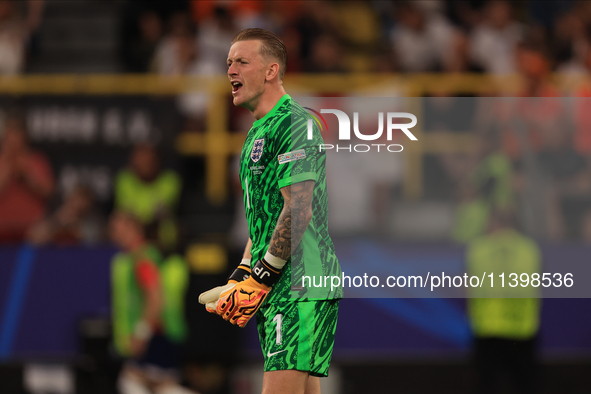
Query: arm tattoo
[[293, 220]]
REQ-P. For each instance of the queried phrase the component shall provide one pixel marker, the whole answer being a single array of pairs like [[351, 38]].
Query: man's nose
[[232, 70]]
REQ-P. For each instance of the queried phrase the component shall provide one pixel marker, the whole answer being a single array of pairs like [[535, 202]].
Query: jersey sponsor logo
[[269, 354], [257, 150], [292, 156]]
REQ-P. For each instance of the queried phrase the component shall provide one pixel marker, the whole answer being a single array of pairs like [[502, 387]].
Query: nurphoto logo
[[345, 130]]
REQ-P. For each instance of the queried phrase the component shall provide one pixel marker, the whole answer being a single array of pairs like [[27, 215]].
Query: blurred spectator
[[264, 14], [76, 221], [569, 45], [357, 23], [141, 48], [26, 183], [538, 138], [358, 30], [493, 42], [293, 42], [458, 60], [493, 175], [582, 114], [16, 31], [176, 51], [212, 44], [464, 14], [13, 36], [505, 320], [215, 35], [147, 317], [471, 217], [540, 118], [317, 19], [205, 9], [278, 16], [533, 64], [151, 194], [326, 56], [142, 26], [545, 12], [489, 187], [421, 43]]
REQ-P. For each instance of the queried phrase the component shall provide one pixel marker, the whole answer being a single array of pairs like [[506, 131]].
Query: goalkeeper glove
[[212, 296], [239, 303]]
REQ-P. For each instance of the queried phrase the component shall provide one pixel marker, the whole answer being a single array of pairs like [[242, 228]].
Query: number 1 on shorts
[[278, 319]]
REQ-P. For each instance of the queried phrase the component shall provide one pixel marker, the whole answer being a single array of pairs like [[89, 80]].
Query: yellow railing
[[217, 144]]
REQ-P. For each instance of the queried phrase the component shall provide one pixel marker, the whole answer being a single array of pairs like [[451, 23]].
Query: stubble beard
[[252, 103]]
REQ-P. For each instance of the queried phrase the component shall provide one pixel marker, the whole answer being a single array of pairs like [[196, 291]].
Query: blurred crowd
[[551, 164], [191, 36], [359, 36], [31, 209], [533, 39]]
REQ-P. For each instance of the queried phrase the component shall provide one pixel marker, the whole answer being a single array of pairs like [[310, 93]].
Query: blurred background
[[123, 106]]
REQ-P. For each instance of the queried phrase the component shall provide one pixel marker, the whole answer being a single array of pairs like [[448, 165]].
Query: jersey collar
[[272, 111]]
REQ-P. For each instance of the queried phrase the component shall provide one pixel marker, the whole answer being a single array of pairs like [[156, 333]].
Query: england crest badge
[[257, 150]]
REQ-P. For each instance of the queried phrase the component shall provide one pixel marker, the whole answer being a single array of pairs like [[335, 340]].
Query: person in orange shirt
[[26, 183], [534, 67]]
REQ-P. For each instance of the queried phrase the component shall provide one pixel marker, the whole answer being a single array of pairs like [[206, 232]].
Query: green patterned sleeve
[[297, 156]]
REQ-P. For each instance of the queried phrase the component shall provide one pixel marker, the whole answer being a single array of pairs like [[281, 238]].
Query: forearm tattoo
[[293, 220]]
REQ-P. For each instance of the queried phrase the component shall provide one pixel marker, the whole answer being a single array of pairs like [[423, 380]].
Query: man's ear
[[272, 71]]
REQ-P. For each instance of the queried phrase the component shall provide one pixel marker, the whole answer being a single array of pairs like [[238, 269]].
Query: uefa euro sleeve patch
[[292, 156]]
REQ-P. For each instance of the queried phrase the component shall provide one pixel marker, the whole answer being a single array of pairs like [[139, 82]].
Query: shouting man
[[283, 176]]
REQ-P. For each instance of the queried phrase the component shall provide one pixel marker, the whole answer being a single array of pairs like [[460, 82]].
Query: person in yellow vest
[[147, 311], [504, 320], [151, 194], [489, 186]]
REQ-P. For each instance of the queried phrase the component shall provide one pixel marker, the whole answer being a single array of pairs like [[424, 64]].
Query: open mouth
[[236, 87]]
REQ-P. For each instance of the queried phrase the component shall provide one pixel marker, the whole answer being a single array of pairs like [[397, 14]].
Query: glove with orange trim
[[239, 303]]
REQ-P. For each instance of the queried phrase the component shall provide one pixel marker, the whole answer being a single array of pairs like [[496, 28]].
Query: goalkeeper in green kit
[[283, 176]]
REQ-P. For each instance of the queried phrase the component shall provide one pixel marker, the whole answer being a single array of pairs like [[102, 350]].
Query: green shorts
[[298, 335]]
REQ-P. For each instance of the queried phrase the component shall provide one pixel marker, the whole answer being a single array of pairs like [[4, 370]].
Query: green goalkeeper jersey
[[277, 153]]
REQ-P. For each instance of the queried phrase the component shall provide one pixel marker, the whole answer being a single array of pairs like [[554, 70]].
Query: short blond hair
[[271, 45]]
